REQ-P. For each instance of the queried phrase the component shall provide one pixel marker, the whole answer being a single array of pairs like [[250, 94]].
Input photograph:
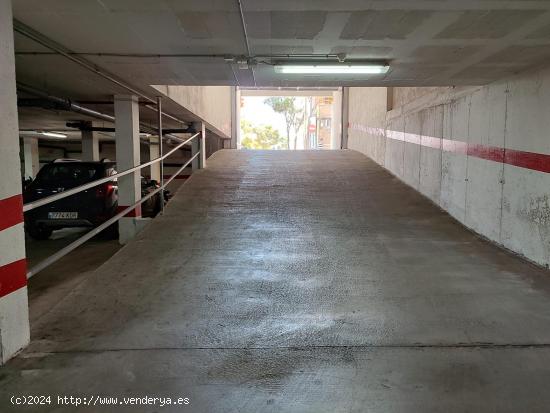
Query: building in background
[[324, 122], [303, 119]]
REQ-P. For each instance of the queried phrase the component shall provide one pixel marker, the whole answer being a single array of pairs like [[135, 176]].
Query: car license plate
[[62, 215]]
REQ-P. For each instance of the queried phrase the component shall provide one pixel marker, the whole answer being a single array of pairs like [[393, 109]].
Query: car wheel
[[39, 233]]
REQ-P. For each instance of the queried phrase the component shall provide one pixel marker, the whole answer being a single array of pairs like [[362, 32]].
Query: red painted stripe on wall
[[13, 276], [522, 159], [490, 153], [11, 211], [136, 212], [529, 160]]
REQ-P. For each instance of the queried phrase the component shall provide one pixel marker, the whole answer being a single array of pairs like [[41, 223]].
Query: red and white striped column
[[14, 311]]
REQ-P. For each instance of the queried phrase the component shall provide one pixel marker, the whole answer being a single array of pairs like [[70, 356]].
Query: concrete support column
[[195, 147], [90, 145], [336, 122], [14, 310], [199, 144], [154, 152], [30, 155], [235, 118], [345, 117], [202, 156], [128, 156]]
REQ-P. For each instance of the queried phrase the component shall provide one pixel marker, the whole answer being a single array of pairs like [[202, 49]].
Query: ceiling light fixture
[[324, 69], [53, 134]]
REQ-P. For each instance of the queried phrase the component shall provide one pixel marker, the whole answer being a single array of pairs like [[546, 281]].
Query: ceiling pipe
[[243, 24], [58, 103], [224, 56], [31, 103], [103, 102], [86, 126], [39, 38], [112, 102], [336, 57]]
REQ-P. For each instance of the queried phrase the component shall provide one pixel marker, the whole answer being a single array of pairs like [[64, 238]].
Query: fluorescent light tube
[[342, 69], [53, 134]]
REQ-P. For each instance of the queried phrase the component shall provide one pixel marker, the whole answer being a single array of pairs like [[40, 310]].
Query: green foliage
[[294, 115], [260, 137], [282, 104]]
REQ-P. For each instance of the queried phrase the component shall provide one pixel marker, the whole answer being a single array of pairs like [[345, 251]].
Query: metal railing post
[[199, 146], [195, 150], [202, 156], [159, 121]]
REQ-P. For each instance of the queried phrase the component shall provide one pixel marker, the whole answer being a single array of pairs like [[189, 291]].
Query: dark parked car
[[89, 208]]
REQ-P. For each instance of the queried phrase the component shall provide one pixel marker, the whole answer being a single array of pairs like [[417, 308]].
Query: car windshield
[[67, 175]]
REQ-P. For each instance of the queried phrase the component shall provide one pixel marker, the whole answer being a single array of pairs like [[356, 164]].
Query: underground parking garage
[[260, 206]]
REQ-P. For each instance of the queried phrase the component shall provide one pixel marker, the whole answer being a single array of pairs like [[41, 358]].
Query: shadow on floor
[[50, 286]]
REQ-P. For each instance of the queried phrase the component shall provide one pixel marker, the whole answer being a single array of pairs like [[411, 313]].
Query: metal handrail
[[64, 251], [161, 166], [35, 204]]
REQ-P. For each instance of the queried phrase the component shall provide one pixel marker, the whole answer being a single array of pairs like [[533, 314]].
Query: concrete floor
[[299, 282], [52, 284]]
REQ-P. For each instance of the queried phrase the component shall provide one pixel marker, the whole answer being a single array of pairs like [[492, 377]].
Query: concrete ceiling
[[427, 42]]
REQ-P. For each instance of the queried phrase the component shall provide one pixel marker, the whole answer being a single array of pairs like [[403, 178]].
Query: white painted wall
[[507, 204], [336, 124], [211, 104]]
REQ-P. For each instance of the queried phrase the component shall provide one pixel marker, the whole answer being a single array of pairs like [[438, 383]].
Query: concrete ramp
[[305, 281]]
